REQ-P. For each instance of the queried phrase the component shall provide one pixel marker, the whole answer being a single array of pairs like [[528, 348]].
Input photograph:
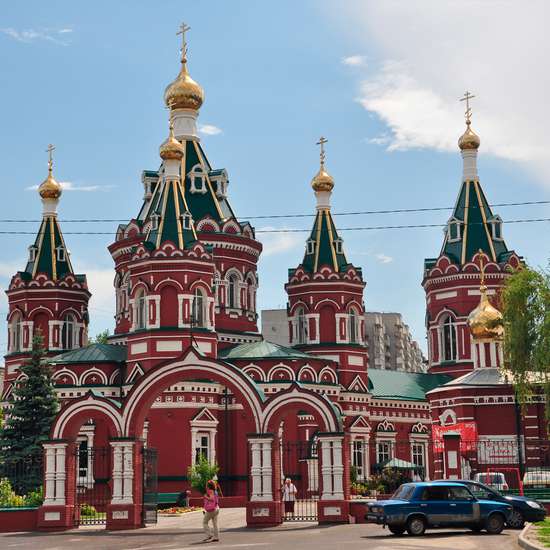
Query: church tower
[[46, 296], [473, 238], [325, 294]]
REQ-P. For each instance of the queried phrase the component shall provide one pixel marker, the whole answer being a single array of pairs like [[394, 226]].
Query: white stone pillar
[[261, 470], [123, 472], [267, 470], [49, 475], [332, 467], [55, 475], [117, 472], [256, 470]]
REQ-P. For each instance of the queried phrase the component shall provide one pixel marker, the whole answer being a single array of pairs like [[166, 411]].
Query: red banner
[[466, 430]]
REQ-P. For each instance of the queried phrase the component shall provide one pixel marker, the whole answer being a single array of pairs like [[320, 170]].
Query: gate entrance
[[93, 488], [299, 462], [150, 486]]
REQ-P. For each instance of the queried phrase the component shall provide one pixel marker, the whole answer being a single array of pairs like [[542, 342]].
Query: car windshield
[[404, 492]]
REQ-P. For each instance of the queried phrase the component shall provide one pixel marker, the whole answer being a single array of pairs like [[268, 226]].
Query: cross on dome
[[183, 29], [50, 150], [321, 142], [468, 113]]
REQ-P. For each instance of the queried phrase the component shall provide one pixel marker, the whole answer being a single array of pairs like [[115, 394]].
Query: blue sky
[[381, 80]]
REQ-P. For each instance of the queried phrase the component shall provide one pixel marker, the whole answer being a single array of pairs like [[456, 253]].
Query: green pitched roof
[[48, 241], [94, 353], [324, 250], [262, 350], [474, 215], [410, 386]]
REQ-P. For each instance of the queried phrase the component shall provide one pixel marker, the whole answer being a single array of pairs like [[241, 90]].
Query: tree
[[200, 473], [31, 411], [526, 311], [101, 338]]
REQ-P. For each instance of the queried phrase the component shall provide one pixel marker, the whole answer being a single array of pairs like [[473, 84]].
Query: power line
[[282, 216], [367, 228]]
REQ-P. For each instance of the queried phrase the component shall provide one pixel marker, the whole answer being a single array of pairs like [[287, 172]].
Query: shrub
[[8, 497], [200, 473], [35, 498], [87, 510]]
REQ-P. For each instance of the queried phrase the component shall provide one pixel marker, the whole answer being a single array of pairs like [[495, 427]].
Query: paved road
[[185, 533]]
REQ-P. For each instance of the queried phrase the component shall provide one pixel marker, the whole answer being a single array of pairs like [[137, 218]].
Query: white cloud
[[70, 186], [383, 258], [277, 243], [436, 51], [209, 129], [32, 35], [100, 284], [354, 61]]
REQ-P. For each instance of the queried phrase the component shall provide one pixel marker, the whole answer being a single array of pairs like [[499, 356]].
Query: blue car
[[414, 507]]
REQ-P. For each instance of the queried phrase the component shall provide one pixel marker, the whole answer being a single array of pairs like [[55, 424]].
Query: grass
[[543, 532]]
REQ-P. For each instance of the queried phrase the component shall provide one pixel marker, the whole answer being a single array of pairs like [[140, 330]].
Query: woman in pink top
[[211, 511]]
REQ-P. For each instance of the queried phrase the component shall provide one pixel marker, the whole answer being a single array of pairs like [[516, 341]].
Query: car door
[[462, 504], [435, 504]]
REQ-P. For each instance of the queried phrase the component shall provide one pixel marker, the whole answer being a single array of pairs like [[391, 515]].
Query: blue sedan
[[417, 506]]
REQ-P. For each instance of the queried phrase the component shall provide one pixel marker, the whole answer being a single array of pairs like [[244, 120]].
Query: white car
[[537, 479], [495, 480]]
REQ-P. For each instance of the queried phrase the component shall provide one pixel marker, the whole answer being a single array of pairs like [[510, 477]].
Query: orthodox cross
[[466, 98], [183, 29], [482, 266], [322, 142], [50, 150]]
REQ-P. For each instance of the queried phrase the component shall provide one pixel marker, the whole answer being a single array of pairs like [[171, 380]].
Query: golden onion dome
[[469, 140], [322, 181], [486, 321], [171, 148], [184, 92], [49, 188]]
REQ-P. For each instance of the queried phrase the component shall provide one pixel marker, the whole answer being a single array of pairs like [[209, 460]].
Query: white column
[[49, 475], [123, 472], [261, 470], [256, 470], [61, 472], [267, 470], [117, 472], [332, 468]]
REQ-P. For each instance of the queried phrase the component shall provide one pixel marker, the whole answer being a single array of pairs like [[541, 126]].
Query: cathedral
[[188, 373]]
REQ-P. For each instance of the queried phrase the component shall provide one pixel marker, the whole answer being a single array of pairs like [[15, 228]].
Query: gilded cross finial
[[322, 154], [468, 112], [50, 150], [183, 29], [482, 267]]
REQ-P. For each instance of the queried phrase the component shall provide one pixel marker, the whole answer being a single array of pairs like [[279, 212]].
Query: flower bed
[[178, 510]]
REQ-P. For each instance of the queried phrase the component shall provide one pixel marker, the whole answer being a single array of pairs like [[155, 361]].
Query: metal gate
[[93, 488], [300, 464], [150, 486]]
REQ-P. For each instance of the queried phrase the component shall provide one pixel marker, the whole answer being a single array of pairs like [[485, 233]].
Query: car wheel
[[516, 520], [495, 524], [416, 526], [396, 530]]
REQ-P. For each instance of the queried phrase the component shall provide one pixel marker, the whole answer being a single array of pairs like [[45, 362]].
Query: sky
[[381, 80]]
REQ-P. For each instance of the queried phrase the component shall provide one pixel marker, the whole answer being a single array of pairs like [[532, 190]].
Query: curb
[[524, 541]]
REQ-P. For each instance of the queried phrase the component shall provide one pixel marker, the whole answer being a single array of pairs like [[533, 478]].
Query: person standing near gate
[[211, 512], [289, 496]]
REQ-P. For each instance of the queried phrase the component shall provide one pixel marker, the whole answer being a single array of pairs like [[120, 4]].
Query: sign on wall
[[466, 430]]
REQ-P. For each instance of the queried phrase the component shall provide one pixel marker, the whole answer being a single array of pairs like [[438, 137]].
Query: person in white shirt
[[289, 496]]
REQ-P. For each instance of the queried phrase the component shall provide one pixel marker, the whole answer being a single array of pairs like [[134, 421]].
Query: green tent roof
[[412, 386], [399, 464], [94, 353], [262, 350]]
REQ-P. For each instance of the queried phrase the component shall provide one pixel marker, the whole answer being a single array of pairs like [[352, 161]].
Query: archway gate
[[130, 490]]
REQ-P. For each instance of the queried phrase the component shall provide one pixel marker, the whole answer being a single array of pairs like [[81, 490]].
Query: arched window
[[353, 327], [233, 292], [17, 334], [199, 309], [448, 339], [68, 331], [251, 295], [141, 310], [301, 326]]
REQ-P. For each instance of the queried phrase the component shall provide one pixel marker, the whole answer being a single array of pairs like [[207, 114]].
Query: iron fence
[[21, 482]]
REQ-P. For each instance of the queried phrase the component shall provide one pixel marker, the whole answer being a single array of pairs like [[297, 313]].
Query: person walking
[[211, 512], [289, 496]]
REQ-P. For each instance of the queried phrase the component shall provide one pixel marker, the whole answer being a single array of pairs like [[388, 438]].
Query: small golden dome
[[486, 321], [469, 139], [49, 188], [322, 181], [171, 148], [184, 92]]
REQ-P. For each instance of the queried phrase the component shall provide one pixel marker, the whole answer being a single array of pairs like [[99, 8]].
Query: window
[[83, 459], [154, 222], [405, 492], [353, 326], [202, 446], [418, 455], [16, 328], [68, 332], [141, 310], [199, 311], [383, 451], [310, 246], [338, 246], [198, 180], [459, 493], [481, 492], [186, 221], [358, 457], [449, 339], [233, 292], [61, 254], [436, 492], [301, 326], [32, 253], [496, 228], [454, 230], [251, 295]]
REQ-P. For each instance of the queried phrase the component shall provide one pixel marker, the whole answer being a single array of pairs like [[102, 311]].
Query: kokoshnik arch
[[187, 372]]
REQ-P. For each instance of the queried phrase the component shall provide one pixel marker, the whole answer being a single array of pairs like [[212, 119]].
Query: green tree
[[101, 338], [32, 408], [526, 311], [200, 473]]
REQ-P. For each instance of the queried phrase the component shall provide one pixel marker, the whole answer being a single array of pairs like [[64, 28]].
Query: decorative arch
[[327, 372], [385, 426], [91, 373], [307, 370], [250, 369], [271, 375], [447, 417], [419, 428], [59, 375]]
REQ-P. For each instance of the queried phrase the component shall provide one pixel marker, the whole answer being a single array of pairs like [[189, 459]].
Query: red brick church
[[188, 373]]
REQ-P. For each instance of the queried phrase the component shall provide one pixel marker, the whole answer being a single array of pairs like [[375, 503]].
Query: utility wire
[[367, 228], [281, 216]]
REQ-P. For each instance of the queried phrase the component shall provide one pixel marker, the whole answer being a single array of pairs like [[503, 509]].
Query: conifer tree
[[33, 406]]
